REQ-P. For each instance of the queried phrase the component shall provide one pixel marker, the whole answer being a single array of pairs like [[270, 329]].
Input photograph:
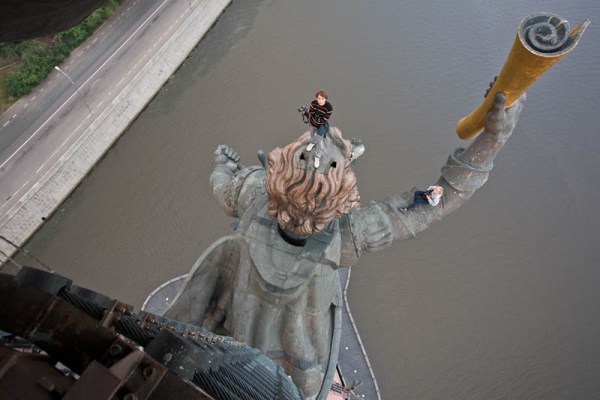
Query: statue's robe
[[274, 296]]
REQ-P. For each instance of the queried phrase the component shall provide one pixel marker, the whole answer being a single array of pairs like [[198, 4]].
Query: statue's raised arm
[[375, 225]]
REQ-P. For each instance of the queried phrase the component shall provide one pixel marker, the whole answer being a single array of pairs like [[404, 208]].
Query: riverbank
[[20, 221]]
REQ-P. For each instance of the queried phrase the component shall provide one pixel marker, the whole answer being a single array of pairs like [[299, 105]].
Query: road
[[38, 131]]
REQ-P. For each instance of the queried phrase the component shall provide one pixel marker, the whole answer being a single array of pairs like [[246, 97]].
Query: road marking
[[22, 186], [121, 81], [34, 134], [6, 123]]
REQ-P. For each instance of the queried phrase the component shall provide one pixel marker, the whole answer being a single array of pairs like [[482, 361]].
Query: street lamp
[[76, 89]]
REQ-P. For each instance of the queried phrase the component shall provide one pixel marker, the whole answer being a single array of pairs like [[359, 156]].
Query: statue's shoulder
[[245, 186]]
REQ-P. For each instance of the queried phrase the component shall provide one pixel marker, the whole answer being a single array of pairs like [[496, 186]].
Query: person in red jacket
[[319, 113]]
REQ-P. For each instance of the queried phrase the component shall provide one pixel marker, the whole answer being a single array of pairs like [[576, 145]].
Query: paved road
[[35, 132], [43, 129]]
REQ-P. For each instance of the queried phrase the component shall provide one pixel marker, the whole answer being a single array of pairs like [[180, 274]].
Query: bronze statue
[[273, 283]]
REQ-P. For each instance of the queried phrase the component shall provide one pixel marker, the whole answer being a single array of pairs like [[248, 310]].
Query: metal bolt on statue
[[273, 283]]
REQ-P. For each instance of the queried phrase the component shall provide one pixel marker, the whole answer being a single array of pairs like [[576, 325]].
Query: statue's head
[[304, 199]]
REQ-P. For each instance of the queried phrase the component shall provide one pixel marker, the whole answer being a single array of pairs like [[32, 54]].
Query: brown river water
[[499, 301]]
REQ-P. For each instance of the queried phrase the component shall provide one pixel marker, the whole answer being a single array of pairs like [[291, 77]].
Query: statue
[[273, 283]]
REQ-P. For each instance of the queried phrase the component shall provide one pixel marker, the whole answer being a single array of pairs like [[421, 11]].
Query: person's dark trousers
[[418, 199], [322, 130]]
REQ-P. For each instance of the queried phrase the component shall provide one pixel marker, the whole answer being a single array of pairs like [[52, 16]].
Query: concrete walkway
[[56, 145]]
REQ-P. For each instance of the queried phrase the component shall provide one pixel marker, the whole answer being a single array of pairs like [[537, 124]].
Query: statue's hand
[[500, 121], [489, 89], [228, 156]]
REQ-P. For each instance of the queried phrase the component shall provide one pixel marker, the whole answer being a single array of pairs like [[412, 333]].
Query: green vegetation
[[24, 65]]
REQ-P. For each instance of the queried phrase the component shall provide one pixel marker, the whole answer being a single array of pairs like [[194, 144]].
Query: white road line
[[6, 123], [121, 81], [82, 85], [23, 186]]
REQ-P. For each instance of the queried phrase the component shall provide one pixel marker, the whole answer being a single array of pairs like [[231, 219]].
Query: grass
[[26, 64]]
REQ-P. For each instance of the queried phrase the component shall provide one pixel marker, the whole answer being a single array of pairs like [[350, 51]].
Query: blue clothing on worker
[[419, 198]]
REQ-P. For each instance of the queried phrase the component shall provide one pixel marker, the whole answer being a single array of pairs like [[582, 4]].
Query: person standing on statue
[[318, 117]]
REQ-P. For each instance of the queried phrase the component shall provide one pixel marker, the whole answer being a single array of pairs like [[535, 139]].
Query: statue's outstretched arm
[[374, 226], [227, 163]]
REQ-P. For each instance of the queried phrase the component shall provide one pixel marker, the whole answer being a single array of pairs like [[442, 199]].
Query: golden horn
[[542, 40]]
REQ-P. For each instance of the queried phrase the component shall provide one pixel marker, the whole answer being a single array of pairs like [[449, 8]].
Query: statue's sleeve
[[376, 225], [236, 189]]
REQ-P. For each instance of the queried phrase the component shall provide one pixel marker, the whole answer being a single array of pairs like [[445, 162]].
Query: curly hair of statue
[[303, 200]]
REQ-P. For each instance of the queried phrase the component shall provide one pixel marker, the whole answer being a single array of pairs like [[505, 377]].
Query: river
[[499, 301]]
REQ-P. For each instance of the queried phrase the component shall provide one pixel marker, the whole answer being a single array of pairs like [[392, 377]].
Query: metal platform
[[353, 362]]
